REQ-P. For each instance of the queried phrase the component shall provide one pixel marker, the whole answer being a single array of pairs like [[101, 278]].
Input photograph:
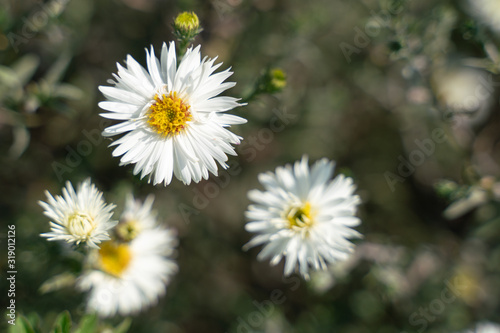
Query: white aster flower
[[79, 217], [303, 216], [175, 121], [129, 276]]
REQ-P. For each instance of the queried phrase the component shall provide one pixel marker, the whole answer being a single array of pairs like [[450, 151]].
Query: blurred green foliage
[[367, 82], [63, 324]]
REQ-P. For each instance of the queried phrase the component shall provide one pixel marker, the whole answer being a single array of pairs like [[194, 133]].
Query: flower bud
[[186, 25], [274, 80], [278, 79]]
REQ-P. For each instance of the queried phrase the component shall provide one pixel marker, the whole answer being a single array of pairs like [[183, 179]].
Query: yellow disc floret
[[300, 216], [114, 257], [169, 114]]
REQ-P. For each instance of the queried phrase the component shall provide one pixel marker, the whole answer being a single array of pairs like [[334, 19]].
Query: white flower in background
[[136, 217], [303, 216], [78, 217], [488, 11], [466, 96], [463, 90], [128, 276], [175, 121], [485, 327]]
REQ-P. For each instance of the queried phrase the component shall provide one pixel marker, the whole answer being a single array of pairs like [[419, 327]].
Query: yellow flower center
[[168, 114], [80, 225], [114, 257], [300, 216], [128, 230]]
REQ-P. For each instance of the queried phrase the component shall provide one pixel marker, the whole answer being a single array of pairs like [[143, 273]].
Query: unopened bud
[[186, 25], [273, 81], [278, 79]]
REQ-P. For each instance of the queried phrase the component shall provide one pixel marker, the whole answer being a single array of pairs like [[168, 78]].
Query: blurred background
[[403, 95]]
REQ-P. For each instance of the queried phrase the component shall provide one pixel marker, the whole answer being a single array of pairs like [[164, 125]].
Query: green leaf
[[21, 141], [68, 91], [62, 323], [25, 68], [34, 320], [56, 72], [57, 282], [8, 78], [124, 326], [88, 324], [22, 325]]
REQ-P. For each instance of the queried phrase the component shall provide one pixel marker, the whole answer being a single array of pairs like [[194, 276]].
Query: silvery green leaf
[[57, 70], [69, 91], [25, 68], [57, 282], [21, 141]]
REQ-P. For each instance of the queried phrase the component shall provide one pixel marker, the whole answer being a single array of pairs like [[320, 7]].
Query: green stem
[[182, 47], [251, 96]]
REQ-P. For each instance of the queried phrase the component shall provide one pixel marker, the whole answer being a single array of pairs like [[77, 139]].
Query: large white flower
[[303, 216], [130, 273], [173, 115], [79, 217]]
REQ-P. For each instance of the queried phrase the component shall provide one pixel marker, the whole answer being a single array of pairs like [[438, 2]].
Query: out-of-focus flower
[[128, 276], [273, 81], [465, 98], [136, 217], [270, 81], [487, 11], [174, 120], [485, 327], [463, 90], [79, 217], [303, 216]]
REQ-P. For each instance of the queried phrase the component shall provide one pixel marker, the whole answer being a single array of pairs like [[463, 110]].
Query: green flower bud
[[278, 79], [273, 80], [186, 25]]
